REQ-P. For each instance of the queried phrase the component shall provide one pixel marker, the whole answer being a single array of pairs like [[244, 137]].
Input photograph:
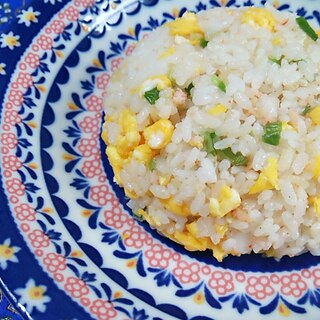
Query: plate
[[69, 246]]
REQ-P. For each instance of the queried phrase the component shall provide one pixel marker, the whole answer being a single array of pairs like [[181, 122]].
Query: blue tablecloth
[[8, 10], [7, 312]]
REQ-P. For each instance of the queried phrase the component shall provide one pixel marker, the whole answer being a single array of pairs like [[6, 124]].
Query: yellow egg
[[129, 136], [143, 153], [315, 202], [178, 209], [130, 194], [190, 242], [164, 180], [192, 228], [104, 136], [185, 25], [268, 178], [219, 253], [217, 109], [167, 53], [116, 162], [316, 167], [259, 17], [287, 126], [276, 41], [153, 222], [229, 200], [159, 81], [159, 134], [221, 229], [314, 114], [196, 141]]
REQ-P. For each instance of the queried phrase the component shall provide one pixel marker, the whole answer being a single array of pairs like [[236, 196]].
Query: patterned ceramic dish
[[69, 247]]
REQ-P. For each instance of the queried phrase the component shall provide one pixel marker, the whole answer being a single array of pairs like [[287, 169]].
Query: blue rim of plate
[[303, 261]]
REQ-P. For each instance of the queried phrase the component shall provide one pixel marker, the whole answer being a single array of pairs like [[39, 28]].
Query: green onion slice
[[188, 89], [296, 61], [236, 159], [306, 110], [210, 138], [275, 60], [272, 133], [152, 165], [218, 83], [152, 95], [305, 26], [203, 43]]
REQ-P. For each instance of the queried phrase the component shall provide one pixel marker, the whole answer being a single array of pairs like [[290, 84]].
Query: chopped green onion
[[152, 95], [306, 110], [210, 138], [272, 133], [275, 60], [296, 61], [188, 89], [152, 165], [305, 26], [203, 43], [236, 159], [218, 83]]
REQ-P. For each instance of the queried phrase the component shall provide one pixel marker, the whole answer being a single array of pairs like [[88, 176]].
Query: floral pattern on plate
[[74, 219]]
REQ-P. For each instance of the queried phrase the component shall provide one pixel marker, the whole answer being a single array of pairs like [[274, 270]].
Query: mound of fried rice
[[212, 128]]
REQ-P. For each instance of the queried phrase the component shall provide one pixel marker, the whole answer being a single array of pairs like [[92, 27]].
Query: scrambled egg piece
[[189, 238], [130, 194], [316, 167], [259, 18], [104, 136], [164, 180], [128, 139], [217, 109], [170, 51], [192, 243], [229, 200], [189, 241], [192, 228], [315, 201], [143, 153], [276, 41], [186, 25], [178, 209], [196, 141], [116, 162], [221, 229], [159, 134], [151, 221], [287, 126], [160, 82], [314, 114], [268, 178], [129, 136]]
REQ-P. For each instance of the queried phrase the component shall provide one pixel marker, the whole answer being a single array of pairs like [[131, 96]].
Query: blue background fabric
[[7, 312], [8, 10]]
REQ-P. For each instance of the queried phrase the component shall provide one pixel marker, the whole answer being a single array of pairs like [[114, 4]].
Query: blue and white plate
[[69, 247]]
